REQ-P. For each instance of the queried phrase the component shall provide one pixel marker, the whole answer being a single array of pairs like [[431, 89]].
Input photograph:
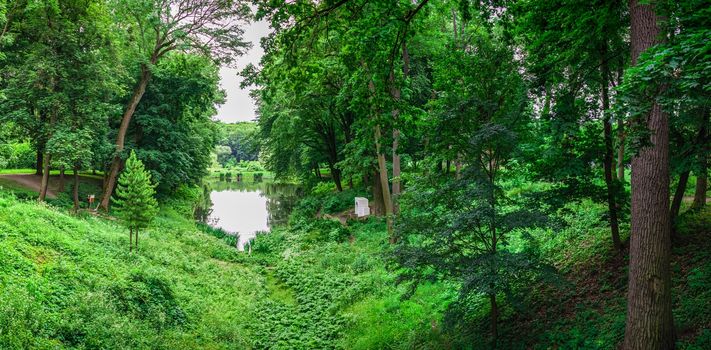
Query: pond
[[246, 208]]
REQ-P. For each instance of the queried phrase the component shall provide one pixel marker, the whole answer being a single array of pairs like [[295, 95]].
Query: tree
[[573, 47], [649, 323], [135, 201], [157, 27], [173, 132], [71, 149]]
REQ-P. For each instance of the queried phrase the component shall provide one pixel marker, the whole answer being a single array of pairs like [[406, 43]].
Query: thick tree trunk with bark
[[121, 136], [378, 203], [649, 322], [609, 156]]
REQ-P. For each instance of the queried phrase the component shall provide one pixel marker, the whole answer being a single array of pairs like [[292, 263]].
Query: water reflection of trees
[[203, 209], [281, 198]]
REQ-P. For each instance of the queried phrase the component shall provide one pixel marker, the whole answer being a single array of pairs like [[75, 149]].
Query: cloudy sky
[[239, 106]]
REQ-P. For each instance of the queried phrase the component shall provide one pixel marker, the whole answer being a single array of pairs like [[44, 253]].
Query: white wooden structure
[[361, 207]]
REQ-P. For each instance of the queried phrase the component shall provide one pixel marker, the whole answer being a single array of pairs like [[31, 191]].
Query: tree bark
[[378, 203], [608, 158], [130, 239], [383, 174], [45, 177], [336, 175], [76, 190], [40, 160], [649, 322], [701, 187], [121, 136]]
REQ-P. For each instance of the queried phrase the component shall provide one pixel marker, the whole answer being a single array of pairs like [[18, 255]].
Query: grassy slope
[[67, 282], [70, 282], [358, 306]]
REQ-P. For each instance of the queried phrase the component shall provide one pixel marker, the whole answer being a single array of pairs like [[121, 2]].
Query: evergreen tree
[[135, 197]]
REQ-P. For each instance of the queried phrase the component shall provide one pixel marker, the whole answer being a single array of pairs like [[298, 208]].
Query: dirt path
[[30, 182]]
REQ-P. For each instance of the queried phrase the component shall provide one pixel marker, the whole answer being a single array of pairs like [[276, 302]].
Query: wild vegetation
[[537, 173]]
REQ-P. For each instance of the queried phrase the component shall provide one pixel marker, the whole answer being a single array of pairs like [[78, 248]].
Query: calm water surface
[[246, 208]]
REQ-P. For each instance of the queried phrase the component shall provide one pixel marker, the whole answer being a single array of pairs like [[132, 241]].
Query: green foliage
[[68, 282], [135, 195], [174, 134], [238, 146], [16, 156]]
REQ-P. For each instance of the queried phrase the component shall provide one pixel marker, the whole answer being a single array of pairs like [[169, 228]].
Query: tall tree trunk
[[130, 239], [60, 188], [701, 186], [649, 323], [378, 204], [678, 197], [608, 159], [76, 190], [39, 164], [121, 136], [396, 132], [383, 174], [703, 172], [45, 177], [41, 144], [336, 175]]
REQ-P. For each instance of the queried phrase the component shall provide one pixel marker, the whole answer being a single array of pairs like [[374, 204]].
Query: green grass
[[69, 282]]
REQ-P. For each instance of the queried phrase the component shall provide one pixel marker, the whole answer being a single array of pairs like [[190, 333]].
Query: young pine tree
[[134, 198]]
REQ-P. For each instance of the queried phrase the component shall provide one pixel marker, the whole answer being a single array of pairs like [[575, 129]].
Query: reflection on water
[[247, 208]]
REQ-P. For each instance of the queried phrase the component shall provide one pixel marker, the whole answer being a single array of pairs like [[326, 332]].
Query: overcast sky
[[239, 106]]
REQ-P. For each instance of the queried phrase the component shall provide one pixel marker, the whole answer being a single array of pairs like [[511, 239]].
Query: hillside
[[68, 282]]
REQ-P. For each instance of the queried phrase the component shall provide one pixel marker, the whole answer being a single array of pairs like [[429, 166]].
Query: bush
[[17, 155], [23, 156], [150, 297]]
